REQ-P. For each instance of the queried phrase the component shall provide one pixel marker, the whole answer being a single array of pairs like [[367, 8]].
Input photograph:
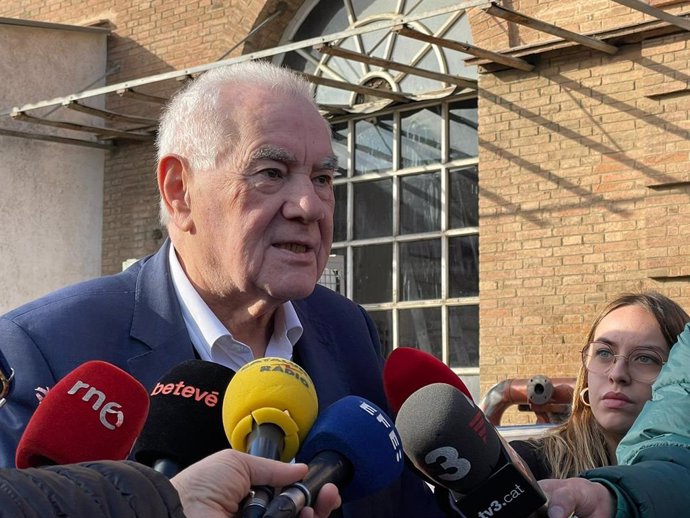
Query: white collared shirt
[[211, 338]]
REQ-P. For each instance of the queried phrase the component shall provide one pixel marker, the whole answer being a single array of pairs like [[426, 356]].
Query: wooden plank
[[108, 115], [54, 138], [392, 65], [131, 93], [364, 90], [108, 132], [643, 7], [533, 23], [508, 61]]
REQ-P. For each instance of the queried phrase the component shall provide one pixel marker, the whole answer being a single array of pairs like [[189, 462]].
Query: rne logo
[[106, 410]]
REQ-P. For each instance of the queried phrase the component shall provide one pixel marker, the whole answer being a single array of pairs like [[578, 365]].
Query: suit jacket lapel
[[315, 353], [157, 321]]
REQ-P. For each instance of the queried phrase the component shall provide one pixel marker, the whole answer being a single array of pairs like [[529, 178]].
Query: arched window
[[406, 223]]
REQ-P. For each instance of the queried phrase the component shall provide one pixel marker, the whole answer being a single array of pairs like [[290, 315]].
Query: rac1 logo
[[106, 410], [287, 370]]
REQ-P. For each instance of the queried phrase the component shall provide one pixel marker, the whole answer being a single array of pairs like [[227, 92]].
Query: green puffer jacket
[[652, 479]]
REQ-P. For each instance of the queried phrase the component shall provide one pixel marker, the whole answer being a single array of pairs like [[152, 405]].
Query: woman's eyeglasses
[[644, 364]]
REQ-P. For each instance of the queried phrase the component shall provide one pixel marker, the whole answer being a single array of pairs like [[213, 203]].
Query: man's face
[[263, 221]]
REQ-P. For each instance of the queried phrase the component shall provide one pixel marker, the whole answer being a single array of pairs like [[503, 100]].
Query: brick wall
[[583, 181]]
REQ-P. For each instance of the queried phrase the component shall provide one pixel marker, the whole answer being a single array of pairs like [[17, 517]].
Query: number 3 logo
[[455, 466]]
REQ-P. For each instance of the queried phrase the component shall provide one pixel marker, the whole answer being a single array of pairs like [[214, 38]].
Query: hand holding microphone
[[355, 446], [215, 486], [94, 413]]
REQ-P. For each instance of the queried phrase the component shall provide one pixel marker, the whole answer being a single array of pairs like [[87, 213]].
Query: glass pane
[[464, 198], [372, 273], [375, 44], [420, 209], [334, 275], [364, 8], [421, 328], [463, 262], [420, 137], [339, 140], [374, 145], [324, 18], [463, 336], [383, 320], [460, 31], [420, 270], [340, 216], [373, 208], [418, 84], [462, 130]]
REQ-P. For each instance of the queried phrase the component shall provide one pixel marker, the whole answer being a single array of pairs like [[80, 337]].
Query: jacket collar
[[157, 321]]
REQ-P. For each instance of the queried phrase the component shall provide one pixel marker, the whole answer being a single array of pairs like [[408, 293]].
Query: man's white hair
[[196, 126]]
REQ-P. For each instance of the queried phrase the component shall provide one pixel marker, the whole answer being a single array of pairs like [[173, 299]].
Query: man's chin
[[296, 290]]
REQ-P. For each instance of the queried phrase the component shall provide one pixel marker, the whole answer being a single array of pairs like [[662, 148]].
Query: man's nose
[[303, 201]]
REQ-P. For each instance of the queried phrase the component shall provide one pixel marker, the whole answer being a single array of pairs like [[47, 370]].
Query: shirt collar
[[205, 329]]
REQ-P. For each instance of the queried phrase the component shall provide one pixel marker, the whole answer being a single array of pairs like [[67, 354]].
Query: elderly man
[[245, 171]]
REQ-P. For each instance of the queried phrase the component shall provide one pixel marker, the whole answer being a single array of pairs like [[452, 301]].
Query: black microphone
[[185, 422], [449, 439], [354, 445]]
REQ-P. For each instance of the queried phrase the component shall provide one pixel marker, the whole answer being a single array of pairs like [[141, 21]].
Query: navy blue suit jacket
[[133, 320]]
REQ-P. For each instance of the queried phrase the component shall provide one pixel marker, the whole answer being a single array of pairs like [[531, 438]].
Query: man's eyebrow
[[279, 154], [276, 154], [330, 163]]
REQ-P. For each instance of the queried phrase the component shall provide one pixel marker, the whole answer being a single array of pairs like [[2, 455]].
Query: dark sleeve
[[655, 486], [105, 489], [531, 452], [19, 352]]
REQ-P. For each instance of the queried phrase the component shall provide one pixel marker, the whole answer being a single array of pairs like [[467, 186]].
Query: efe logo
[[106, 409]]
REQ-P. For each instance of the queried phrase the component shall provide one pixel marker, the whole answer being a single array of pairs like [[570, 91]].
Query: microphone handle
[[255, 504], [167, 467], [326, 466], [265, 440]]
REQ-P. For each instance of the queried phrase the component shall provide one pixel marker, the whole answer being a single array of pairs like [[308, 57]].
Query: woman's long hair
[[579, 444]]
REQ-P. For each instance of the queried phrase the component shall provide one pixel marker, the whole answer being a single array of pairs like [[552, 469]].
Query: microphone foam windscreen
[[185, 420], [448, 438], [408, 369], [94, 413], [362, 433], [270, 391]]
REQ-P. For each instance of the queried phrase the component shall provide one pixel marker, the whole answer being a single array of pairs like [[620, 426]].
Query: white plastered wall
[[51, 194]]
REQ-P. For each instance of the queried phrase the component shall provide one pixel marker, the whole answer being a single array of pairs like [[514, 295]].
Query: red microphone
[[407, 369], [95, 412]]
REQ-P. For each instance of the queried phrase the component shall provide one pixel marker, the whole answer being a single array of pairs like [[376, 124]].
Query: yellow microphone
[[268, 409]]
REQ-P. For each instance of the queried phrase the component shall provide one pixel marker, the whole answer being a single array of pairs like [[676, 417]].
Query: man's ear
[[173, 183]]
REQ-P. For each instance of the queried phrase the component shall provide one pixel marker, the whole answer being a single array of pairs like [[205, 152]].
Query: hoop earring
[[583, 393]]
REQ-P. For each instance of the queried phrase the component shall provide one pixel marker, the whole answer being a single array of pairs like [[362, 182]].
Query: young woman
[[625, 349]]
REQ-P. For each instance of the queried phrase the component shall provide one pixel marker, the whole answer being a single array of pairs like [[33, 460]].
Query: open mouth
[[292, 247]]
